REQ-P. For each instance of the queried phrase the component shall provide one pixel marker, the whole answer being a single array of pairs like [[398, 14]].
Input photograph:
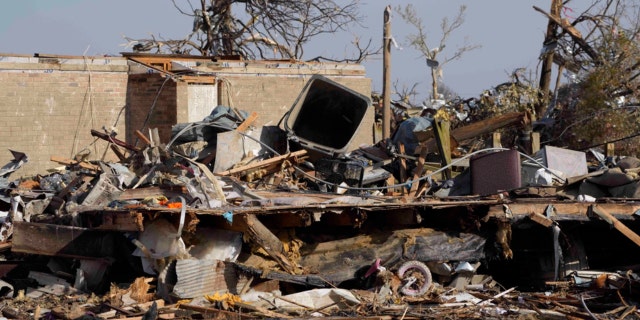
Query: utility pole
[[547, 62], [386, 75]]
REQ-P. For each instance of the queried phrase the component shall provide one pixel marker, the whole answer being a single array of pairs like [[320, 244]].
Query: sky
[[510, 34]]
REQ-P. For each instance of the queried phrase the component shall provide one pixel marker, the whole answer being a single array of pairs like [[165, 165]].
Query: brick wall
[[49, 106], [268, 88], [152, 103]]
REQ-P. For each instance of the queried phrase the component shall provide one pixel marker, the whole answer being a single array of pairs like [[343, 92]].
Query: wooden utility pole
[[547, 62], [386, 75], [434, 82]]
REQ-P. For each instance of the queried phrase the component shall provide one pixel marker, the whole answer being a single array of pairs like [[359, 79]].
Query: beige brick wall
[[143, 114], [49, 106]]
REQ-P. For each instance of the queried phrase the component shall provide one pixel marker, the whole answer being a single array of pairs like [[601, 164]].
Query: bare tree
[[600, 49], [254, 29], [404, 93], [419, 39]]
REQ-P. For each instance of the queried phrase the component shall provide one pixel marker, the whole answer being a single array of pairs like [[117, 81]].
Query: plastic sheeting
[[405, 133]]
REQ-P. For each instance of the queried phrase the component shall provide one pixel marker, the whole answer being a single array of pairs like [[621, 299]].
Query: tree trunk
[[547, 63], [434, 82]]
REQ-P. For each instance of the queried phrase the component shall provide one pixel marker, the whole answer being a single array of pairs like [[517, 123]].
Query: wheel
[[416, 278]]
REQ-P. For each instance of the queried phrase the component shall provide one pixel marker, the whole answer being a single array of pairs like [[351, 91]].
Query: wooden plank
[[142, 137], [606, 216], [562, 211], [540, 219], [390, 182], [481, 127], [113, 221], [247, 122], [199, 79], [535, 142], [58, 240], [403, 168], [114, 140], [574, 33], [70, 162], [610, 149], [417, 173], [263, 163], [118, 152], [443, 142], [496, 141]]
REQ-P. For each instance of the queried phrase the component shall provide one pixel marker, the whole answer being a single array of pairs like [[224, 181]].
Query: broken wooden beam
[[70, 162], [574, 33], [114, 140], [481, 127], [263, 237], [609, 218], [118, 153], [142, 137], [62, 241], [264, 163], [114, 221], [576, 211], [247, 122], [418, 171], [403, 168], [443, 141], [540, 219]]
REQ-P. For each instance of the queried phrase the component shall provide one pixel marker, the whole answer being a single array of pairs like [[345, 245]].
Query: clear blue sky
[[510, 32]]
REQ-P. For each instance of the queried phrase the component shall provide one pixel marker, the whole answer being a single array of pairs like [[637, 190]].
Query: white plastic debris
[[586, 198]]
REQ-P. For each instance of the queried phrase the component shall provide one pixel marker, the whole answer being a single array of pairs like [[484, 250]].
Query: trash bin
[[495, 171], [326, 116]]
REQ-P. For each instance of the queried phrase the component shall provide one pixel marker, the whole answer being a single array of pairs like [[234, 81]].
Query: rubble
[[234, 220]]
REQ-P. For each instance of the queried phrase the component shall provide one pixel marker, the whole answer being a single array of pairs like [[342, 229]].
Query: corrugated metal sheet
[[200, 277]]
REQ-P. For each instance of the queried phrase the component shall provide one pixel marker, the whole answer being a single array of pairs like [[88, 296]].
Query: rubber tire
[[418, 266]]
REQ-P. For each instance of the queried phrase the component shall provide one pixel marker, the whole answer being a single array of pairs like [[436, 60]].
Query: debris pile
[[234, 220]]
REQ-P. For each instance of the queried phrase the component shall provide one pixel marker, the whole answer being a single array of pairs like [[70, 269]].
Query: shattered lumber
[[268, 241], [357, 254], [264, 163], [482, 127], [577, 211], [57, 240], [606, 216], [114, 140], [247, 122], [69, 162], [574, 33]]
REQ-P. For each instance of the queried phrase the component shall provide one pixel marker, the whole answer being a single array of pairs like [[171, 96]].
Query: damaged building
[[257, 189]]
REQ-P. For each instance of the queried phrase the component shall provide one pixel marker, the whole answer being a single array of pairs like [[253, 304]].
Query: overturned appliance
[[326, 116]]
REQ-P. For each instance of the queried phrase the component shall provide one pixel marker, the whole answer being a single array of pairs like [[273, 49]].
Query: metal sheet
[[199, 277], [572, 163]]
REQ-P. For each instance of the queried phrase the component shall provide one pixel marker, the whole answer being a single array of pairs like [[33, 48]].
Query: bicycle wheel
[[416, 278]]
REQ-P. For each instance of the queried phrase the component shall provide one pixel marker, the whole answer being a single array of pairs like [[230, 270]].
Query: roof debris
[[241, 221]]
